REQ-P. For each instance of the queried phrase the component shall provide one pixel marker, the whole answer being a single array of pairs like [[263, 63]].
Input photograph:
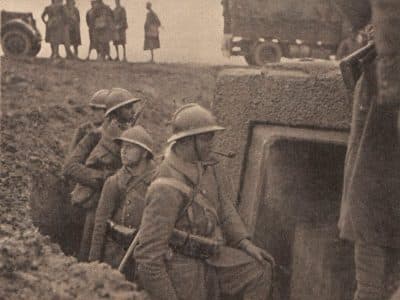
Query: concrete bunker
[[290, 196], [289, 126]]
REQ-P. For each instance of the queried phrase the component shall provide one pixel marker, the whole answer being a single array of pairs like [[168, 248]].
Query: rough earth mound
[[41, 104]]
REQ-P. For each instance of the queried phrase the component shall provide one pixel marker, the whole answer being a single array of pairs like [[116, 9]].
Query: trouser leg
[[370, 272], [87, 235], [252, 280]]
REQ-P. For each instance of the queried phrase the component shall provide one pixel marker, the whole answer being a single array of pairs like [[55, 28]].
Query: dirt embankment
[[41, 104]]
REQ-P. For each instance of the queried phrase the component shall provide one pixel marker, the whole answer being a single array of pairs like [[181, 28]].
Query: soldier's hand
[[256, 252]]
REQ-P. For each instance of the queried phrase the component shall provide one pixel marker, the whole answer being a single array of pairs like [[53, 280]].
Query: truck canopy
[[308, 20]]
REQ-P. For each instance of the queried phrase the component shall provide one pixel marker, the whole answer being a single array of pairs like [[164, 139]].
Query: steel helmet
[[192, 119], [137, 135], [99, 99], [118, 98]]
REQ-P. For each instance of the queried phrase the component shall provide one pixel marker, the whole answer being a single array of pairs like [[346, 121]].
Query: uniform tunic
[[90, 24], [122, 201], [151, 34], [168, 275], [103, 23], [121, 25]]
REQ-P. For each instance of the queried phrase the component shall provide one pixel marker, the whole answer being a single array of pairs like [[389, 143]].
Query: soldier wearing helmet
[[123, 197], [98, 108], [186, 195], [89, 165]]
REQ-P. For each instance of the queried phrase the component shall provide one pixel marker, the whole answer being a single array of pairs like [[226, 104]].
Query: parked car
[[19, 34]]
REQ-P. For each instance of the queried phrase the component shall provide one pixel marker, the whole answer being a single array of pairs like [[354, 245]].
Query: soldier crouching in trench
[[90, 165], [370, 214], [122, 199], [186, 196]]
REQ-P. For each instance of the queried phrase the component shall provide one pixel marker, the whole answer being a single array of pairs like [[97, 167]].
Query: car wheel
[[16, 43]]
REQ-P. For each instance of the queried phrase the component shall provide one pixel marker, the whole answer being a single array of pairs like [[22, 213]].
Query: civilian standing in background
[[103, 20], [90, 24], [121, 25], [73, 25], [151, 31], [53, 17]]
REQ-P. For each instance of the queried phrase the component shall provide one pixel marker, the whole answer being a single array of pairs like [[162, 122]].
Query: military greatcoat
[[166, 274], [104, 160], [370, 206], [122, 201]]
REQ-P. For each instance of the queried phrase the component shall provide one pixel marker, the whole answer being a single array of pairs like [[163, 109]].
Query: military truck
[[288, 123], [264, 31], [19, 34]]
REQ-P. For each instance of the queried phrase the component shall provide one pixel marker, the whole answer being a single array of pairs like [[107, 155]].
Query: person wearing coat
[[123, 197], [186, 195], [73, 26], [370, 213], [151, 31], [90, 164], [103, 25], [54, 18], [121, 25]]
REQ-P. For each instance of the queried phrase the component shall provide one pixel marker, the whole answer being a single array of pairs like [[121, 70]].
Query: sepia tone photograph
[[200, 150]]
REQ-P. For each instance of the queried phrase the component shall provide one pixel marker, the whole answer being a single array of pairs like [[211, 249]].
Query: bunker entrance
[[295, 207]]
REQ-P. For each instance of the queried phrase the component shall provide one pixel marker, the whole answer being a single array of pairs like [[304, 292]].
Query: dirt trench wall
[[295, 94]]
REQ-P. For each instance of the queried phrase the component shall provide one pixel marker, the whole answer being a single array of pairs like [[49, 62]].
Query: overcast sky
[[192, 28]]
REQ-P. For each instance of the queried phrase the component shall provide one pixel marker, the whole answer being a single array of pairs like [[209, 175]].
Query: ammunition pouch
[[182, 242], [120, 234]]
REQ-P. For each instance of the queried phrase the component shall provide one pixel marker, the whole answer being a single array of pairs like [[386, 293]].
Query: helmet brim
[[122, 139], [129, 101], [196, 131]]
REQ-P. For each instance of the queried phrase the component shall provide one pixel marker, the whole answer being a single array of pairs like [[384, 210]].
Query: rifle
[[351, 66], [181, 241], [138, 113]]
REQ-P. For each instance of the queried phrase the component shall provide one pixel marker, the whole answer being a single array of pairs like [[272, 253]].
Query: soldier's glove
[[256, 252]]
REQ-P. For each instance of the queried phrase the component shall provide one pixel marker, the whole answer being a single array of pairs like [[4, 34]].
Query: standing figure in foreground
[[370, 214], [103, 161], [151, 31], [103, 23], [74, 26], [186, 196], [54, 18], [121, 25], [122, 199]]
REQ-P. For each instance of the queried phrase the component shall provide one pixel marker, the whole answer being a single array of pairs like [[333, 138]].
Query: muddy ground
[[41, 104]]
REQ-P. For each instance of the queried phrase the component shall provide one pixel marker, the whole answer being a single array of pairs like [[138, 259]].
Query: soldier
[[370, 214], [103, 161], [121, 25], [123, 198], [186, 196], [98, 108]]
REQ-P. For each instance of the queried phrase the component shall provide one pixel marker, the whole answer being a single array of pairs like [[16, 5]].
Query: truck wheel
[[267, 52], [16, 43]]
